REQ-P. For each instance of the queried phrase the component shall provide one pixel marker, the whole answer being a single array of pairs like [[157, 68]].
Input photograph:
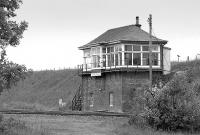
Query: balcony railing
[[90, 67]]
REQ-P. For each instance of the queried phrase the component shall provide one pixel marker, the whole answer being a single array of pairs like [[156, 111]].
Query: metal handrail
[[90, 66]]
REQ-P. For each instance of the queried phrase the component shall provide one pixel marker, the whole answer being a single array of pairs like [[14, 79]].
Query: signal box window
[[137, 59], [145, 58]]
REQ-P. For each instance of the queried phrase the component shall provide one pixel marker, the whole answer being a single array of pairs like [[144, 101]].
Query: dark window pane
[[155, 59], [98, 61], [116, 60], [104, 60], [137, 59], [111, 49], [145, 48], [104, 50], [112, 59], [145, 59], [94, 60], [108, 49], [128, 58], [116, 48], [120, 59], [109, 60], [120, 48], [128, 47], [154, 48], [136, 47]]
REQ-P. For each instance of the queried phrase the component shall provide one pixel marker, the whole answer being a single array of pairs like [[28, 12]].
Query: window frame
[[141, 51], [115, 56], [112, 52], [96, 57]]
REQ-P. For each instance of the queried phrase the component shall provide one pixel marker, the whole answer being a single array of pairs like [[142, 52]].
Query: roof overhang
[[163, 42], [167, 48], [87, 46]]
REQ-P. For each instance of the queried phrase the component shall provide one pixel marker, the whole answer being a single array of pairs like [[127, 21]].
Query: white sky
[[58, 27]]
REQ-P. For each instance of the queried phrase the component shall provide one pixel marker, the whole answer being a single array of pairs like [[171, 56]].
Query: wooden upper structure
[[124, 47]]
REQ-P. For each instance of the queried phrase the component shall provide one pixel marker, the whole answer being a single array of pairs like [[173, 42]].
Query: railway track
[[62, 113]]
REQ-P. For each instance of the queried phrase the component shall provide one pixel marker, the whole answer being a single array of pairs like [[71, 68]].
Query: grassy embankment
[[182, 66], [42, 90]]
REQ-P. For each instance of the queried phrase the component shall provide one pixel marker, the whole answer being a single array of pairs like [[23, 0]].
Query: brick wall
[[100, 87], [134, 84], [127, 89]]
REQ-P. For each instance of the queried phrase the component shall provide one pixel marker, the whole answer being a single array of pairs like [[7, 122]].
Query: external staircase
[[77, 101]]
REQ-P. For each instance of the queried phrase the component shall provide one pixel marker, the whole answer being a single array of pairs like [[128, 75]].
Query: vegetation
[[10, 73], [10, 34], [11, 126], [42, 90], [134, 130], [183, 66], [176, 105]]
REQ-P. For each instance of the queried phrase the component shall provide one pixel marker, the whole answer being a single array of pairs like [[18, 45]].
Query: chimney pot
[[137, 22]]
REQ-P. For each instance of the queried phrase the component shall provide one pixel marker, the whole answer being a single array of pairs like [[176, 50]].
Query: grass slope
[[42, 90], [193, 66], [182, 66]]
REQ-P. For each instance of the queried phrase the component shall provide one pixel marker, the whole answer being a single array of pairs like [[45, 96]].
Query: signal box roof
[[130, 33]]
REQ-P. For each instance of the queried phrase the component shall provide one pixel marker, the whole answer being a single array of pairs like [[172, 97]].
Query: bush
[[138, 121], [176, 106]]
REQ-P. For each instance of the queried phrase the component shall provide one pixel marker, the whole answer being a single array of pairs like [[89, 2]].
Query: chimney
[[137, 22]]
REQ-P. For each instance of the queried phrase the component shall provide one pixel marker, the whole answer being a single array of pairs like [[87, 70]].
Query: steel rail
[[62, 113]]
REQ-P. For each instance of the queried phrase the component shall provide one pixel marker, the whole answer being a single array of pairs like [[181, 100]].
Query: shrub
[[176, 106], [138, 121]]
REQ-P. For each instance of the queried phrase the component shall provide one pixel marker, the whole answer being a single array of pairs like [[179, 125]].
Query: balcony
[[94, 68]]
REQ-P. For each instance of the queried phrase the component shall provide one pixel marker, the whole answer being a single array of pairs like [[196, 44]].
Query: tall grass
[[182, 66], [12, 126], [42, 90]]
